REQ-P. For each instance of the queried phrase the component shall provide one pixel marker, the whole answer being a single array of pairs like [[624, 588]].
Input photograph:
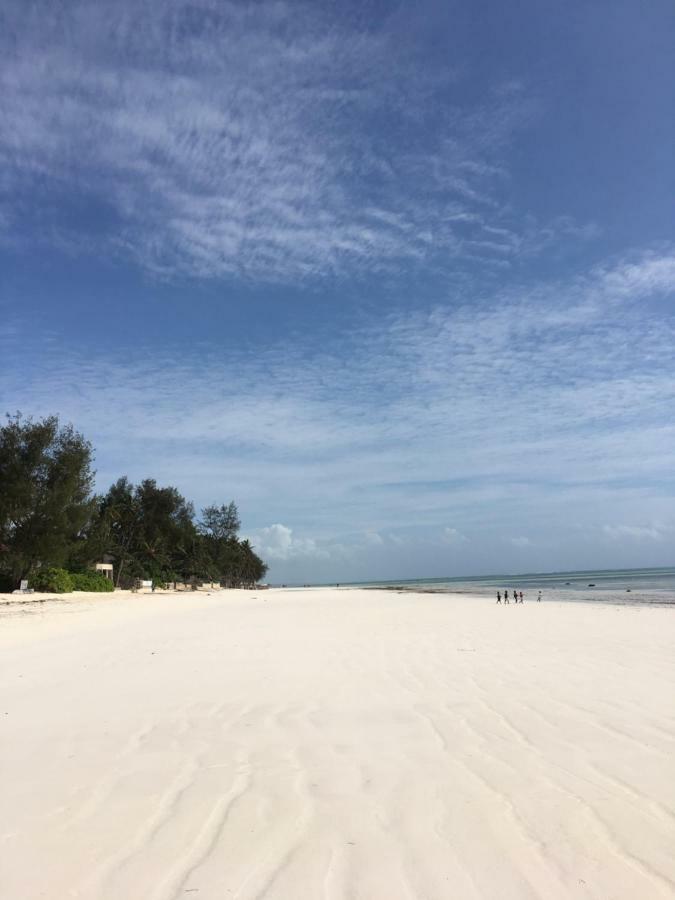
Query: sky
[[397, 278]]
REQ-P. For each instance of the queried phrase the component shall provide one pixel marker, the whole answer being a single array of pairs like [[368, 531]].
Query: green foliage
[[51, 580], [221, 522], [49, 518], [91, 581], [149, 531], [45, 494], [228, 560]]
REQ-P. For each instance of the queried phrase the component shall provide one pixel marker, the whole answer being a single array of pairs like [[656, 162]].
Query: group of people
[[517, 597]]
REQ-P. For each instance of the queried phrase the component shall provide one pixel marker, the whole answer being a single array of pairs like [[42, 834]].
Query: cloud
[[649, 274], [520, 542], [277, 542], [549, 406], [453, 536], [235, 140], [635, 532]]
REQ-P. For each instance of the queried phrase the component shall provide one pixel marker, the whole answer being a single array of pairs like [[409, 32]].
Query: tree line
[[51, 517]]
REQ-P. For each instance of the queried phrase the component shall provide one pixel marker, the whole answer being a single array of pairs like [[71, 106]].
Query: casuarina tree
[[45, 493]]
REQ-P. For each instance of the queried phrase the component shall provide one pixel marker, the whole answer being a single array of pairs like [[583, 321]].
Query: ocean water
[[624, 586]]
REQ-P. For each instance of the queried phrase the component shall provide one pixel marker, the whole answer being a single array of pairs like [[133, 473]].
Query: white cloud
[[235, 140], [649, 274], [534, 411], [635, 532], [453, 536], [277, 542]]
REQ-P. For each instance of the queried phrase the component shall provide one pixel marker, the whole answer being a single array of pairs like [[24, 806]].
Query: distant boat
[[591, 585]]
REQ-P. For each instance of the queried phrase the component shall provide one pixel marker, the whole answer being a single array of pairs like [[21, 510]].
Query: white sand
[[336, 744]]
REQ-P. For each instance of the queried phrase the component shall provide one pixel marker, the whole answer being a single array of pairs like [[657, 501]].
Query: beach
[[335, 743]]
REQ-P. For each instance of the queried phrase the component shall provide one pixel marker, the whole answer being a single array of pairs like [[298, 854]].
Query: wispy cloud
[[528, 413], [452, 536], [228, 139], [636, 532]]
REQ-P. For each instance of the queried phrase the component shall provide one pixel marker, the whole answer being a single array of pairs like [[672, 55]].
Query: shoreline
[[488, 595]]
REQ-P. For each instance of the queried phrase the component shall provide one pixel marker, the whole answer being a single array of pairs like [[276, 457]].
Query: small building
[[106, 569]]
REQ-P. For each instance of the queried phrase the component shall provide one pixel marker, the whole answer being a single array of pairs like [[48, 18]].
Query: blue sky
[[400, 281]]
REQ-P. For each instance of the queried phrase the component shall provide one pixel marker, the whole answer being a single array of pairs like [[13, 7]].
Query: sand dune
[[336, 744]]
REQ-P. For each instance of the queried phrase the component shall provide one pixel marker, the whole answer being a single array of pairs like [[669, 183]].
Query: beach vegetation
[[52, 580], [220, 522], [92, 582], [51, 521], [46, 498]]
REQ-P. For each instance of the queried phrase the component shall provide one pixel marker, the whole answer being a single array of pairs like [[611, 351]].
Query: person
[[506, 597], [539, 597], [499, 597], [521, 596]]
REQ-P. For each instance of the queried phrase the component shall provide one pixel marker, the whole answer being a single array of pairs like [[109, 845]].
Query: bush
[[51, 581], [7, 583], [91, 581]]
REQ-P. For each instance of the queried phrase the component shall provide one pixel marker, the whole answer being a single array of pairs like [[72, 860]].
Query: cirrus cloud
[[528, 409], [235, 140]]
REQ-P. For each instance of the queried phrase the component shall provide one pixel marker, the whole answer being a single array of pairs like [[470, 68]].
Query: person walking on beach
[[539, 597], [506, 597], [521, 596], [499, 597]]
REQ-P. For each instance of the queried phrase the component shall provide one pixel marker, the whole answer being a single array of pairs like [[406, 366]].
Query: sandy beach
[[301, 744]]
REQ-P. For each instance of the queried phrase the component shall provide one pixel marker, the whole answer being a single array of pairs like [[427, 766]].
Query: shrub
[[51, 581], [7, 583], [91, 581]]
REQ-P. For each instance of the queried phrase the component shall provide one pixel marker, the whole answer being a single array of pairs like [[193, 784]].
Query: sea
[[652, 587]]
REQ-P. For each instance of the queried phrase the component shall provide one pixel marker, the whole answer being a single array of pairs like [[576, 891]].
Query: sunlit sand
[[336, 744]]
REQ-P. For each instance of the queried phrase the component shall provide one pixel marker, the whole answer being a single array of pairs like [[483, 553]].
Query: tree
[[252, 568], [233, 562], [221, 522], [119, 522], [45, 493], [49, 517], [149, 531]]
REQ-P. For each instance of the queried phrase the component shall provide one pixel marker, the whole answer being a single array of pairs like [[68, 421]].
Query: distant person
[[506, 597], [539, 597], [521, 596], [499, 597]]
